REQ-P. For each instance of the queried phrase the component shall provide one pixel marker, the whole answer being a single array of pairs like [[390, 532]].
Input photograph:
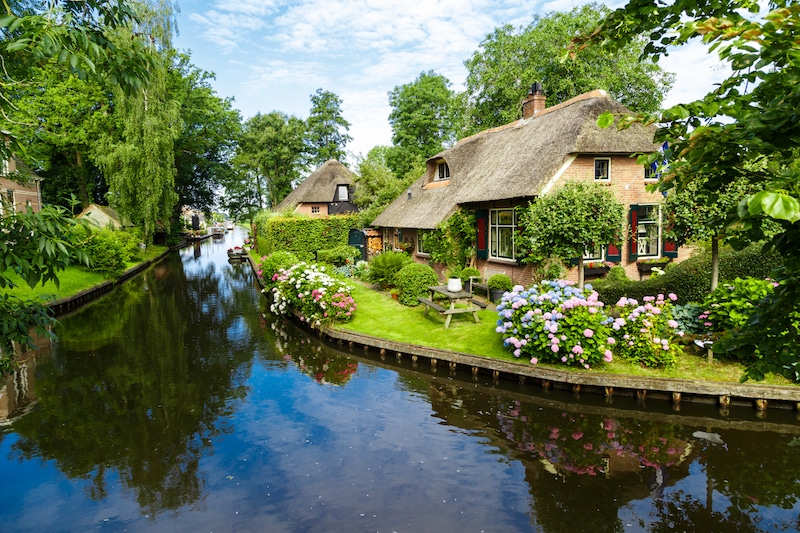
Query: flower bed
[[309, 291]]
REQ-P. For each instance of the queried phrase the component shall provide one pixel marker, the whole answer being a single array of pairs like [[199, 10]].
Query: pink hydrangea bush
[[647, 332], [555, 322]]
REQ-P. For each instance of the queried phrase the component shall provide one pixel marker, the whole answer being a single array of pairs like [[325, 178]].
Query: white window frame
[[342, 193], [442, 171], [591, 255], [494, 232], [650, 174], [420, 236], [607, 177], [315, 210], [642, 237]]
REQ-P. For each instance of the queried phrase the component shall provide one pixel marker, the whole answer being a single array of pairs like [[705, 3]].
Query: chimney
[[534, 103]]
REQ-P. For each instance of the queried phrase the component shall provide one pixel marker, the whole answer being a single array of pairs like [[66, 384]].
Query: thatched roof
[[514, 161], [319, 186], [102, 216]]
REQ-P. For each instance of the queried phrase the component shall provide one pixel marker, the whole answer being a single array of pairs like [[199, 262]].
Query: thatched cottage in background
[[499, 169], [327, 191], [102, 216]]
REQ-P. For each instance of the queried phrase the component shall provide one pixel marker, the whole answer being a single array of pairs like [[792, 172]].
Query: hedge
[[690, 280], [303, 236], [413, 281]]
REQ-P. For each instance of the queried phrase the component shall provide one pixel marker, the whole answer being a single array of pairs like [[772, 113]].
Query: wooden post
[[609, 392]]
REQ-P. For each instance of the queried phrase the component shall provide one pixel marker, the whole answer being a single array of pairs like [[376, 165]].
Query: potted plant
[[454, 279], [498, 284], [647, 265], [467, 275], [597, 268]]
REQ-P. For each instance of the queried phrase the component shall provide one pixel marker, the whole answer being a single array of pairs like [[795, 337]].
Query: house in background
[[102, 216], [19, 186], [497, 170], [327, 191]]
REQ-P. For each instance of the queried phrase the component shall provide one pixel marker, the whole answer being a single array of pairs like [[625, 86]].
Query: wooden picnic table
[[454, 298]]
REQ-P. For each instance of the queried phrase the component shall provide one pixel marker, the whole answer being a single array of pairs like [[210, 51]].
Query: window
[[602, 169], [342, 194], [650, 173], [648, 231], [444, 171], [421, 234], [502, 224], [314, 209], [597, 254]]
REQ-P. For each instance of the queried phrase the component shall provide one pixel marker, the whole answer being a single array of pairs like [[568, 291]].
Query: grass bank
[[380, 316]]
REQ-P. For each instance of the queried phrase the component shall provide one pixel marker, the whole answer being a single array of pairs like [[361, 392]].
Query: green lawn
[[73, 280], [379, 315]]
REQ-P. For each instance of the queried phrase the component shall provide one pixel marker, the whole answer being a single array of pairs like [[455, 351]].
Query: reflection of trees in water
[[312, 357], [145, 400], [681, 512]]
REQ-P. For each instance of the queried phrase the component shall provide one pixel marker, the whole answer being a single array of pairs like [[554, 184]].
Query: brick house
[[497, 170], [19, 186], [327, 191]]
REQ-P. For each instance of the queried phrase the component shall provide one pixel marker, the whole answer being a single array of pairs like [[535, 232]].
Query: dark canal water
[[174, 405]]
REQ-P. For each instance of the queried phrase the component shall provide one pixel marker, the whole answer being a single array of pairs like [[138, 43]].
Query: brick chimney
[[534, 103]]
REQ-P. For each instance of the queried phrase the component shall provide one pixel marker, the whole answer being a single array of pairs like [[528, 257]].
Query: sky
[[272, 55]]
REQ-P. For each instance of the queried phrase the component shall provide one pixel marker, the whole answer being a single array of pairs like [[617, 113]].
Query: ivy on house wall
[[452, 243]]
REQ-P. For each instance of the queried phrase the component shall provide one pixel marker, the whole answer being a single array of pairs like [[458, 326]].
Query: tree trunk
[[714, 262], [581, 276]]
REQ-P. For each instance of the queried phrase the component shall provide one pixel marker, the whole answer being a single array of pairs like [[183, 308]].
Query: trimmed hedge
[[413, 281], [690, 280], [303, 236]]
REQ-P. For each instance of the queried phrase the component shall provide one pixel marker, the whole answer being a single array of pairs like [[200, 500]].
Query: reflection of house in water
[[17, 391]]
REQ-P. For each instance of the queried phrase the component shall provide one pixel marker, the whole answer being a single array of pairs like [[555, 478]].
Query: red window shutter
[[482, 241], [633, 223]]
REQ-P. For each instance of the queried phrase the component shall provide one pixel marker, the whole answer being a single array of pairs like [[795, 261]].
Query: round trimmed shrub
[[413, 281]]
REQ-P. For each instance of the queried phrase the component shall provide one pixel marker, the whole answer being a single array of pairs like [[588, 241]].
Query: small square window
[[650, 173], [602, 169], [314, 209]]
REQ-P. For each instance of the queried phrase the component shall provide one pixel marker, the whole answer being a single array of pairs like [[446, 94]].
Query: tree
[[268, 158], [746, 128], [324, 139], [511, 58], [579, 216], [376, 185], [421, 120]]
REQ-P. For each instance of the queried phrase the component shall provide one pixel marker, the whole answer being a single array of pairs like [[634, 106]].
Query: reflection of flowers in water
[[587, 444], [312, 358]]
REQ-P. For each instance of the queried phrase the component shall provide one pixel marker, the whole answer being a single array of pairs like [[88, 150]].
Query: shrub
[[647, 333], [383, 268], [499, 282], [302, 235], [311, 292], [617, 273], [470, 272], [688, 318], [339, 256], [731, 304], [129, 239], [413, 281], [554, 322], [690, 280], [106, 252], [269, 265]]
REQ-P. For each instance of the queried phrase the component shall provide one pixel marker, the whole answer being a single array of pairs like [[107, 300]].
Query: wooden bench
[[432, 305], [479, 303]]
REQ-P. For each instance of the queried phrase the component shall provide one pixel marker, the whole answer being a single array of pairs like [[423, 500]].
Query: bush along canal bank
[[675, 390]]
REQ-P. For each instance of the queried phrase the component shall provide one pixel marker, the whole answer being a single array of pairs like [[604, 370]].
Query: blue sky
[[273, 54]]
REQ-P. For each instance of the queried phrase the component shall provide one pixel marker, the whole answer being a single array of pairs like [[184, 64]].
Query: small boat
[[230, 226], [217, 231]]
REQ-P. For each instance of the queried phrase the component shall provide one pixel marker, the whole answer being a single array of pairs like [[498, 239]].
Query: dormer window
[[443, 171], [342, 194]]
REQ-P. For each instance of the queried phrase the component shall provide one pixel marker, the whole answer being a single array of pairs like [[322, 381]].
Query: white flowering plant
[[647, 332], [308, 290]]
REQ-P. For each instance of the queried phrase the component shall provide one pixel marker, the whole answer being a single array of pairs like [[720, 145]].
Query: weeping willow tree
[[137, 154]]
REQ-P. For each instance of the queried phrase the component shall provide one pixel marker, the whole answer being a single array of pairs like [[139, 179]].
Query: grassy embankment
[[379, 315], [73, 279]]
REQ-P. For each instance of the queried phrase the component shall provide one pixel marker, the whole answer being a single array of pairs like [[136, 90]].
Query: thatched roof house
[[501, 168], [326, 191]]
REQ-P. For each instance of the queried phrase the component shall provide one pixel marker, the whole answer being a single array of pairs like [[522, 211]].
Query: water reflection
[[176, 403]]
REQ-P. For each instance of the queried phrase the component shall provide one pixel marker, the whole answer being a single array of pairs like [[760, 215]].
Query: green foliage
[[617, 273], [303, 236], [323, 138], [499, 282], [339, 255], [511, 58], [579, 216], [548, 268], [107, 253], [731, 304], [470, 272], [384, 266], [413, 281], [688, 318], [452, 243], [376, 184], [421, 120], [690, 280]]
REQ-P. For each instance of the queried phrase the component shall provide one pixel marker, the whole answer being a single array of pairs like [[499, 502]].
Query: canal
[[175, 404]]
